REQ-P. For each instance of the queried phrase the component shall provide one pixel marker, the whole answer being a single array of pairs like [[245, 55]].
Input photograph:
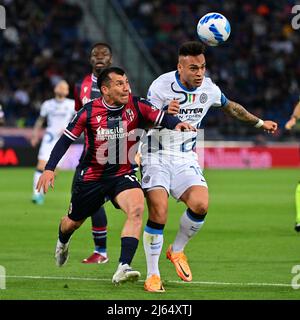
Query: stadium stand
[[258, 66]]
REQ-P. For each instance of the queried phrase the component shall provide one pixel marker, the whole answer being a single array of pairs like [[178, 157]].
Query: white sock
[[153, 244], [188, 228], [36, 177]]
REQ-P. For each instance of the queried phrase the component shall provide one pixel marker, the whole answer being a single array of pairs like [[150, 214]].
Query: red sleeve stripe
[[70, 135]]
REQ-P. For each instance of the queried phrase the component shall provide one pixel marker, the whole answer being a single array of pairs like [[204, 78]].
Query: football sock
[[128, 248], [190, 224], [36, 177], [64, 237], [298, 203], [99, 231], [153, 240]]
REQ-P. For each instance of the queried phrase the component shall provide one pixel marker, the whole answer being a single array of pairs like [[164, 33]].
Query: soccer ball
[[213, 29]]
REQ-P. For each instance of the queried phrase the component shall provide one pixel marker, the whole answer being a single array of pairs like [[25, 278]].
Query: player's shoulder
[[84, 79], [140, 100], [49, 103], [164, 79], [70, 102], [209, 84]]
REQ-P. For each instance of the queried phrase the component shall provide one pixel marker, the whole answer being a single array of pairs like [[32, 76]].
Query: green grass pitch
[[246, 249]]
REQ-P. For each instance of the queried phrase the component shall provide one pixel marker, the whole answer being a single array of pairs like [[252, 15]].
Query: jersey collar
[[109, 107], [94, 78], [182, 86]]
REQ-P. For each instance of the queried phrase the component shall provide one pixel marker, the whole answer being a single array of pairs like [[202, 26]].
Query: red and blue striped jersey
[[85, 91], [111, 135]]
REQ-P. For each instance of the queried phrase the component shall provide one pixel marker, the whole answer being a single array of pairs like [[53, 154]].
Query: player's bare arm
[[237, 111], [294, 117], [37, 127]]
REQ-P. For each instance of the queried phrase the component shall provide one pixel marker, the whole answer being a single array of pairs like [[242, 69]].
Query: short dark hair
[[104, 75], [101, 44], [191, 48]]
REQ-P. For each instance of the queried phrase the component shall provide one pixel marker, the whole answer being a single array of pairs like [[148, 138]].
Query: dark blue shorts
[[88, 197]]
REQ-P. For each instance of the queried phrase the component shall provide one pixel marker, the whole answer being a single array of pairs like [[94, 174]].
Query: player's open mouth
[[99, 64]]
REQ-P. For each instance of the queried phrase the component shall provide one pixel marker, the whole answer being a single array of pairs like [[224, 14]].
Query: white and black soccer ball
[[213, 29]]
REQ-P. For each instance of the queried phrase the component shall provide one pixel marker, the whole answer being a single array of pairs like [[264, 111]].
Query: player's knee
[[136, 213], [159, 215], [199, 207], [68, 225]]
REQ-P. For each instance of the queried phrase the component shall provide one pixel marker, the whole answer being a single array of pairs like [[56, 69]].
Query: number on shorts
[[197, 170], [131, 177]]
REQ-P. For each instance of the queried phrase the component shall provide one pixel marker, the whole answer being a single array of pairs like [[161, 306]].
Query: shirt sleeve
[[155, 116], [154, 95], [44, 110], [77, 125], [78, 103], [220, 99]]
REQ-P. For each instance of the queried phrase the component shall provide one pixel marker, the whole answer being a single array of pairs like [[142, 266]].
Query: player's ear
[[104, 89], [179, 67]]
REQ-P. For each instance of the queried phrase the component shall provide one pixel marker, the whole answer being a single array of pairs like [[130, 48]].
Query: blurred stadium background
[[45, 41], [258, 66]]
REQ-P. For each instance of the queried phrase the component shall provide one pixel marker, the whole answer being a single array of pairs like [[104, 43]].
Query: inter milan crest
[[203, 97], [129, 115]]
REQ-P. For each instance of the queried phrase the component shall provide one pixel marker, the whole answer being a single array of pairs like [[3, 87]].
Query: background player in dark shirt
[[85, 91], [108, 122]]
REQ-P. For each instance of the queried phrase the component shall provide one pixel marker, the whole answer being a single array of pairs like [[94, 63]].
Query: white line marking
[[245, 284]]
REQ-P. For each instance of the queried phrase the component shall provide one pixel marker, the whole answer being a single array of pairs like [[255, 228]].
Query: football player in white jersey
[[58, 113], [172, 167]]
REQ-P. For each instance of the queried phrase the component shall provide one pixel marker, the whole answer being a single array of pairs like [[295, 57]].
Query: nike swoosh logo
[[154, 244], [186, 274]]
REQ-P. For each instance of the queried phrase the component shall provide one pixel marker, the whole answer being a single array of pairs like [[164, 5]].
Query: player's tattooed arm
[[237, 111]]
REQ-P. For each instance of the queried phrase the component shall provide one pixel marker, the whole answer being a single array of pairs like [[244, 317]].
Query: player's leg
[[66, 228], [153, 239], [38, 197], [192, 220], [131, 201], [156, 183], [99, 232], [297, 226], [87, 198], [189, 186]]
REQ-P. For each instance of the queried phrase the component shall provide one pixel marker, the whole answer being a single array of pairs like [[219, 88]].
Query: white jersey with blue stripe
[[194, 105]]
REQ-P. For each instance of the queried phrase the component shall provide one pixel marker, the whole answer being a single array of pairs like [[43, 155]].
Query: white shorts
[[46, 147], [175, 177]]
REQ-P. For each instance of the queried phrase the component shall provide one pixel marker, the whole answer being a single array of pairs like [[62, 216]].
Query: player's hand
[[184, 126], [269, 126], [289, 125], [45, 180], [173, 107]]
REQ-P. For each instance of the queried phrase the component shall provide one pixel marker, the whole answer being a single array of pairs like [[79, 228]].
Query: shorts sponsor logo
[[146, 179]]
